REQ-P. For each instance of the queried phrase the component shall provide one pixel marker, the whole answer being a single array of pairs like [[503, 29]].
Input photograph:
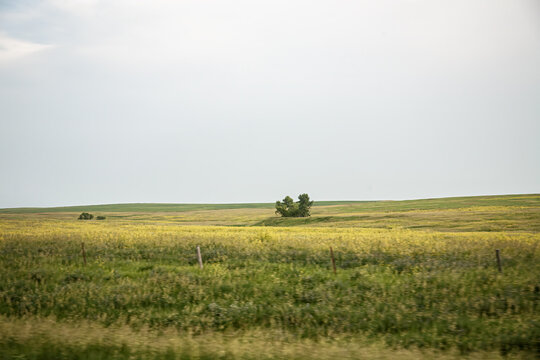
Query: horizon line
[[248, 203]]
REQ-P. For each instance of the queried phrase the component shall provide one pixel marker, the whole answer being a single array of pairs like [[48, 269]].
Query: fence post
[[498, 255], [83, 253], [199, 257], [333, 260]]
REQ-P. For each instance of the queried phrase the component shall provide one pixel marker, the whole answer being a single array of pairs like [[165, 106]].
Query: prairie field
[[414, 280]]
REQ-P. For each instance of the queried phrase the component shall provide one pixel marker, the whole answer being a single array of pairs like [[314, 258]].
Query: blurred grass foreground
[[415, 279]]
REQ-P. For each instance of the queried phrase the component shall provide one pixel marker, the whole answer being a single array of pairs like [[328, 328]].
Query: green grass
[[138, 207], [338, 206], [486, 219], [415, 279]]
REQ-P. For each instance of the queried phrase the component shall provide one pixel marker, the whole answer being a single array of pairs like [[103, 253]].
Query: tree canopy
[[289, 208], [86, 216]]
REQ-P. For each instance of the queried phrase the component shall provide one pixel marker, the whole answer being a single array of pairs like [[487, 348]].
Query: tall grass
[[401, 288]]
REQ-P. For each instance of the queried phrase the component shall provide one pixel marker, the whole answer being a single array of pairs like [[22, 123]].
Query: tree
[[86, 216], [289, 208], [304, 205]]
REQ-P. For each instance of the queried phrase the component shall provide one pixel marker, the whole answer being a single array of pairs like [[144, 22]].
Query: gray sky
[[105, 101]]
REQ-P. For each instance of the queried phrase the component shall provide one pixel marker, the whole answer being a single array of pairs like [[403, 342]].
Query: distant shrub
[[86, 216], [100, 217]]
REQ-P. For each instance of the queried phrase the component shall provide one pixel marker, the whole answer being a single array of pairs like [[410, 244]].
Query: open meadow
[[414, 279]]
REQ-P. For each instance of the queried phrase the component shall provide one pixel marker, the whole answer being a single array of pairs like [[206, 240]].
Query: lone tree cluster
[[289, 208]]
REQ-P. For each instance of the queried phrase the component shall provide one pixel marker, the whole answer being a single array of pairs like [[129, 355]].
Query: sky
[[203, 101]]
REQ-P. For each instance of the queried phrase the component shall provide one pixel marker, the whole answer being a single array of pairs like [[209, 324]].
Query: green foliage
[[289, 208], [304, 205], [86, 216], [100, 217]]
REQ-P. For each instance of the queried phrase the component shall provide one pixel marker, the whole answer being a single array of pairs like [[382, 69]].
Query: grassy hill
[[339, 206], [136, 207], [414, 279], [477, 213]]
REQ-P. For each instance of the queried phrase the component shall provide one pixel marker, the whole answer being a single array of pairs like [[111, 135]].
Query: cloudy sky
[[108, 101]]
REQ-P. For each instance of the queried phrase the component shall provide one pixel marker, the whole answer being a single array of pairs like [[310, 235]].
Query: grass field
[[415, 279]]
